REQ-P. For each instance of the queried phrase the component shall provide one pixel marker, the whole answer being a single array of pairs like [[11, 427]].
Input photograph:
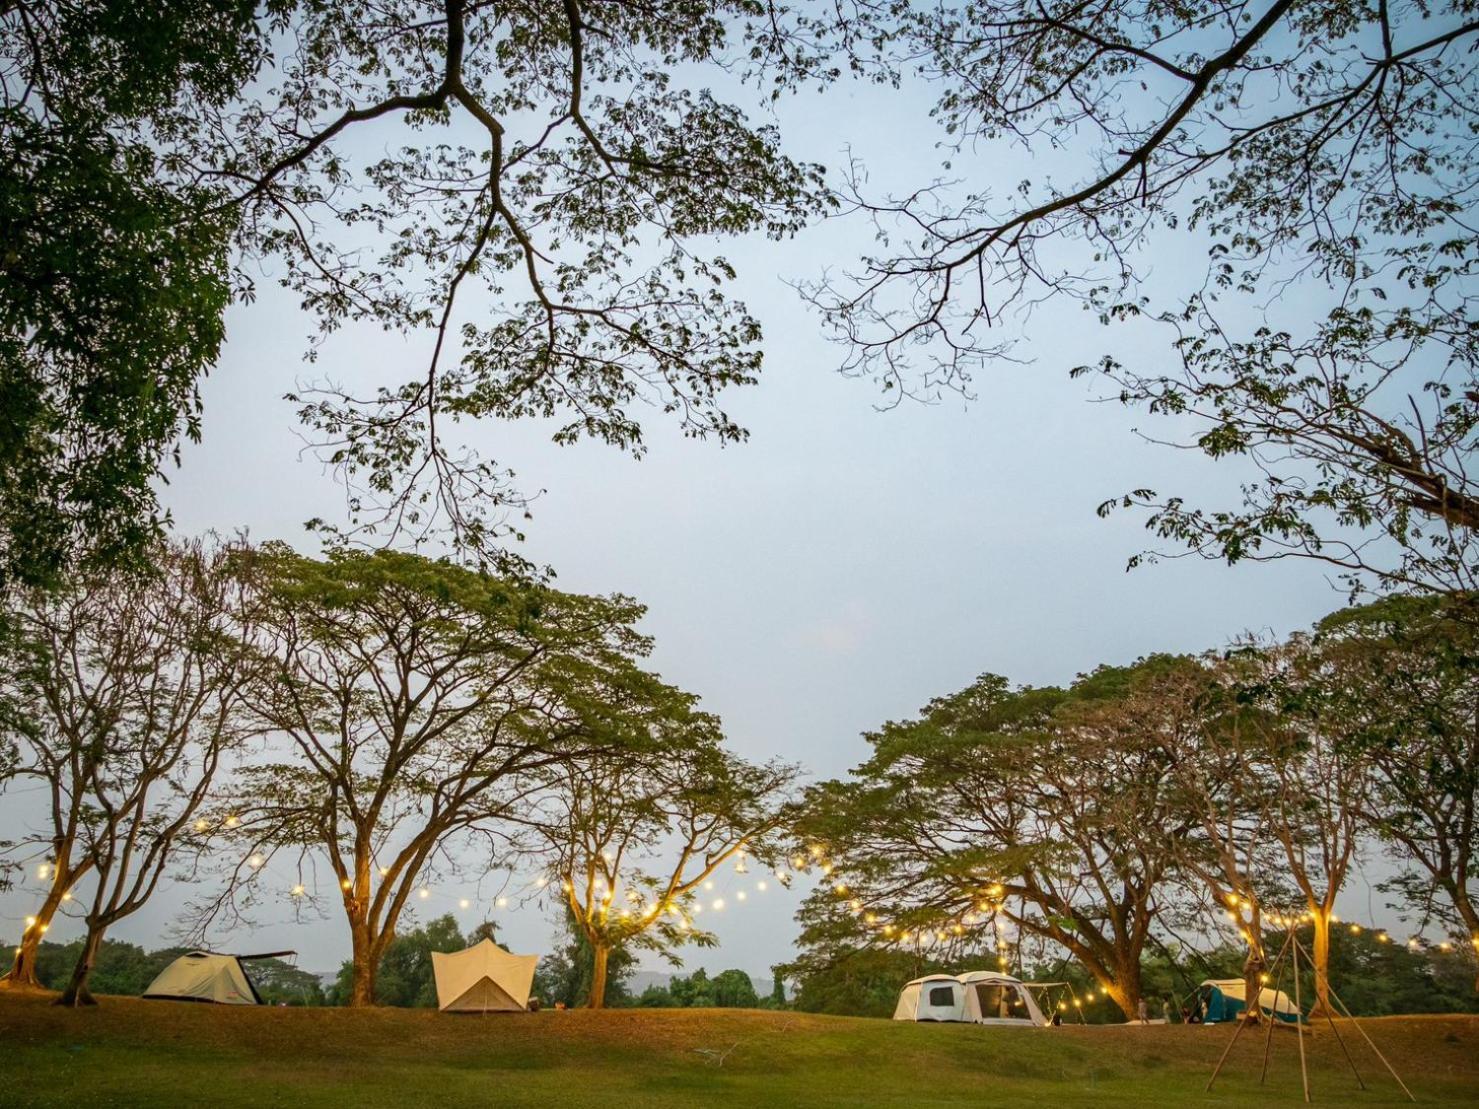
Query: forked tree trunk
[[602, 956], [77, 993]]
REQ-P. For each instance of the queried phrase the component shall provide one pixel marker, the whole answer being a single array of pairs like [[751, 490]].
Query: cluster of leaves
[[114, 269]]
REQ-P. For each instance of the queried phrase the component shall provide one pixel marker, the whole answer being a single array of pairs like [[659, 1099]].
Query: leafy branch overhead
[[552, 233], [1317, 153]]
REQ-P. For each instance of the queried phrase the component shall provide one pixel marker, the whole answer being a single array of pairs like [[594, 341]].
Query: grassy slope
[[129, 1052]]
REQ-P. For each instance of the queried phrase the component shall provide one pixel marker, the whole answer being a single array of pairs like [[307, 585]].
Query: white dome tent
[[975, 997]]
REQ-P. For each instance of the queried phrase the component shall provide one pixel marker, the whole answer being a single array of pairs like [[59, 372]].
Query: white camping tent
[[208, 976], [976, 997], [483, 979]]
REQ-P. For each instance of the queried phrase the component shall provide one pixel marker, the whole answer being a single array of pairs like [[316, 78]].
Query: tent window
[[942, 995]]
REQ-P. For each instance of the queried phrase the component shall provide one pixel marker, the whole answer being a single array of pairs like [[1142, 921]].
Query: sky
[[845, 565]]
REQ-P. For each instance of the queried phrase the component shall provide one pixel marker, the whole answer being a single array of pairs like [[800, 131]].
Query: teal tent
[[1223, 999]]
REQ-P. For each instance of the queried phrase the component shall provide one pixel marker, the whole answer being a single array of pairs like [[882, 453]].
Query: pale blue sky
[[840, 569]]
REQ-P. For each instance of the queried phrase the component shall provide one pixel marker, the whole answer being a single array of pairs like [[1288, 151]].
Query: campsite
[[739, 552]]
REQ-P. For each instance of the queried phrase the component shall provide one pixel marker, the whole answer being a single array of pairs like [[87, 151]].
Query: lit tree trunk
[[64, 877], [1255, 966], [1124, 989], [601, 954], [77, 994], [1321, 959]]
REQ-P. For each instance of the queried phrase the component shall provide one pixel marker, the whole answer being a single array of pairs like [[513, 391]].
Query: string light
[[740, 895], [298, 891], [718, 904], [760, 886], [423, 893], [502, 903], [255, 861], [232, 822]]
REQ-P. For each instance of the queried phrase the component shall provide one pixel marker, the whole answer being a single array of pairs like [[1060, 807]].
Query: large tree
[[1048, 811], [1318, 776], [415, 703], [1406, 672], [128, 691], [633, 835], [1318, 153]]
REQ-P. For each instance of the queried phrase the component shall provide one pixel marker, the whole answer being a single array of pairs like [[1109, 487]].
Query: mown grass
[[135, 1053]]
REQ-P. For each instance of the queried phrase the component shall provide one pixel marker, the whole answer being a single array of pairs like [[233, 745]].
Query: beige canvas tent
[[483, 979], [208, 976]]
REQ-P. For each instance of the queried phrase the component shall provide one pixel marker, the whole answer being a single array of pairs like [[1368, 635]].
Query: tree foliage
[[114, 269]]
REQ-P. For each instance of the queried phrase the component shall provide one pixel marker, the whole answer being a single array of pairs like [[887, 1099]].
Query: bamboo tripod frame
[[1290, 952]]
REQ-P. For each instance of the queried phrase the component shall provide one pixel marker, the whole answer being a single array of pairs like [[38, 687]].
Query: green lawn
[[130, 1052]]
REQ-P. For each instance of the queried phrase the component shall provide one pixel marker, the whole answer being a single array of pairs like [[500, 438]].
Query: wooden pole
[[1268, 1035], [1341, 1040], [1304, 1072], [1372, 1046]]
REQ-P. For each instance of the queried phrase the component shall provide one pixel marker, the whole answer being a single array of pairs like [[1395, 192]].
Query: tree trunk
[[1320, 956], [23, 966], [598, 977], [1255, 966], [1124, 991], [365, 963], [77, 993]]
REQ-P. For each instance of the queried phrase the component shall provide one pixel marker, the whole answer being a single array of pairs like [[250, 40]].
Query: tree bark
[[77, 994], [1255, 966], [23, 966], [598, 977], [1320, 957], [1125, 990], [365, 960]]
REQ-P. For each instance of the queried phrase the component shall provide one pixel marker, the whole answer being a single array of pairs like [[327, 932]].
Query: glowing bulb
[[67, 896], [740, 896], [464, 903], [298, 891], [424, 893], [840, 887], [854, 904], [760, 886], [502, 903], [1355, 929], [201, 825], [30, 922], [344, 883], [232, 822], [384, 871], [718, 904], [816, 850], [255, 861]]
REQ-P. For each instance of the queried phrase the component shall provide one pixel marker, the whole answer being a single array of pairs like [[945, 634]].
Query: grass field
[[136, 1053]]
